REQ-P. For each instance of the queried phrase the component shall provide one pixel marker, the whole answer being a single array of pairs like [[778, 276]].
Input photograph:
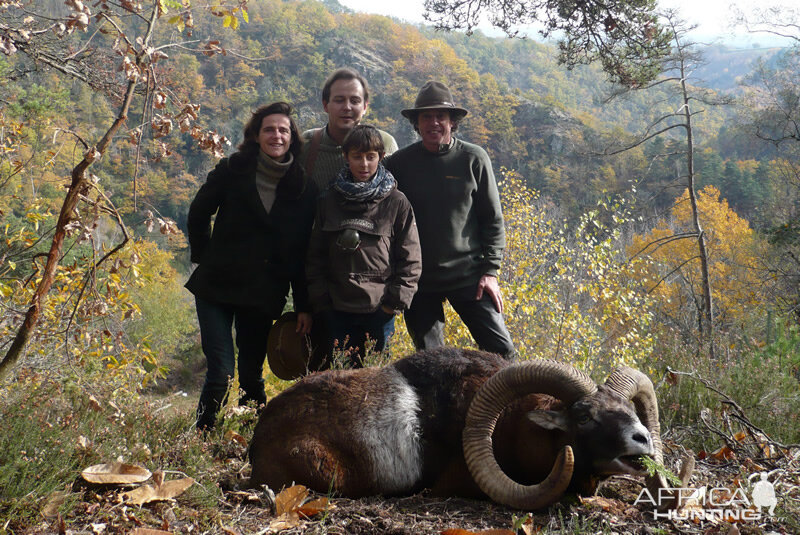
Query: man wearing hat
[[453, 191]]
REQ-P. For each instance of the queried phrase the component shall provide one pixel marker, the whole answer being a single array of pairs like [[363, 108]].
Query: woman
[[264, 208]]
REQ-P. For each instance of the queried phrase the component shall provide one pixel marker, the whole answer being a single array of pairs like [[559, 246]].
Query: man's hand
[[489, 284], [304, 322]]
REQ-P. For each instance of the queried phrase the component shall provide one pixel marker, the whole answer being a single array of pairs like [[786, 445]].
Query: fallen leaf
[[484, 532], [693, 502], [767, 450], [131, 517], [232, 436], [605, 504], [94, 404], [672, 378], [753, 466], [54, 501], [723, 454], [146, 531], [239, 496], [169, 518], [290, 499], [116, 473], [315, 507], [529, 529], [166, 491], [230, 531], [285, 521]]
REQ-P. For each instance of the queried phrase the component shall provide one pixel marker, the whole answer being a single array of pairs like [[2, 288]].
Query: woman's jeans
[[252, 326], [348, 331]]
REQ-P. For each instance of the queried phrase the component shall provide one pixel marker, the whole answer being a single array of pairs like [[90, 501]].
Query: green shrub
[[64, 429]]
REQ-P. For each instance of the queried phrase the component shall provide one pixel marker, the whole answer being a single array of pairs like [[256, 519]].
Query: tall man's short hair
[[344, 73]]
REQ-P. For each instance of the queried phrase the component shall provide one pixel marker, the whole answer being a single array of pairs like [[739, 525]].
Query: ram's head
[[608, 428]]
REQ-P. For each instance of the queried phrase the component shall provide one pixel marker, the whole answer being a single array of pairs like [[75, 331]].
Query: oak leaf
[[458, 531], [723, 454], [606, 504], [54, 501], [290, 499], [315, 507], [285, 521], [166, 490], [116, 473], [232, 436]]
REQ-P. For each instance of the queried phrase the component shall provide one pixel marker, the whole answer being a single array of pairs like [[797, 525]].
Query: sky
[[711, 16]]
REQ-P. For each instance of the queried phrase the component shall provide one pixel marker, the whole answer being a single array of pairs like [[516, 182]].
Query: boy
[[364, 257]]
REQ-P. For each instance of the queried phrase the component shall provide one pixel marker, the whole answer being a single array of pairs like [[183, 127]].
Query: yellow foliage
[[568, 292], [568, 295], [82, 320], [675, 278]]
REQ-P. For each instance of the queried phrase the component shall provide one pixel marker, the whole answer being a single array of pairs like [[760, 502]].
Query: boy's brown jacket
[[385, 267]]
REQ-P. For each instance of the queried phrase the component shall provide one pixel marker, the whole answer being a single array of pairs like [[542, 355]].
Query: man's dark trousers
[[425, 320]]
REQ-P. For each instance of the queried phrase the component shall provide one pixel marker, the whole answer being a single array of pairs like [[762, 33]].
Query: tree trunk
[[77, 187], [707, 314]]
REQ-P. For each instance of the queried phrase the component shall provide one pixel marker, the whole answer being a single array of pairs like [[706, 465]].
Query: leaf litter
[[297, 510]]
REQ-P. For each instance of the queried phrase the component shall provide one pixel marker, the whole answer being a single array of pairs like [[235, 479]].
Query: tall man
[[345, 98], [453, 191]]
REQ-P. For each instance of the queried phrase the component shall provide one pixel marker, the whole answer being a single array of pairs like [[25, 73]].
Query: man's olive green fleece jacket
[[455, 200]]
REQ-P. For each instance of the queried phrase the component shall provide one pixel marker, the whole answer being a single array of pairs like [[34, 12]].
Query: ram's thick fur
[[413, 424]]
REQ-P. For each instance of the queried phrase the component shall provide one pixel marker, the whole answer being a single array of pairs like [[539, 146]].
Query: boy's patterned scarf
[[381, 184]]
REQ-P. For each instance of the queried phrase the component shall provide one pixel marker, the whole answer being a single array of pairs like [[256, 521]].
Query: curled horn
[[636, 387], [509, 384]]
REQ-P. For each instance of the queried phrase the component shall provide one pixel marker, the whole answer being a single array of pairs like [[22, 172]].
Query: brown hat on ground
[[434, 96], [288, 351]]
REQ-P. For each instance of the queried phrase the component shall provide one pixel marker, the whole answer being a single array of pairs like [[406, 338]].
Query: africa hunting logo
[[717, 503]]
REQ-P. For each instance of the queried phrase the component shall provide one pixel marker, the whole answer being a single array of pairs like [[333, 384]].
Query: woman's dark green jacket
[[251, 256]]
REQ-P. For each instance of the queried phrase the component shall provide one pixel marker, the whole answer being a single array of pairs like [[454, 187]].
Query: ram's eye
[[584, 419]]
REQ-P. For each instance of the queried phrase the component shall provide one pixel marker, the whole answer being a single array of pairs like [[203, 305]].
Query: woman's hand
[[304, 323]]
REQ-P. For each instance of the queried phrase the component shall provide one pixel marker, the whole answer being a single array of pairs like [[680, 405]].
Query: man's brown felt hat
[[288, 352], [434, 96]]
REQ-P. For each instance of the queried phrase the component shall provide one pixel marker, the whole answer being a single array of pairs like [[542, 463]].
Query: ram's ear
[[549, 419]]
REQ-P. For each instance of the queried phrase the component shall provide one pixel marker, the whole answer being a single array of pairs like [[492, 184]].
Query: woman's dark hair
[[363, 138], [249, 146]]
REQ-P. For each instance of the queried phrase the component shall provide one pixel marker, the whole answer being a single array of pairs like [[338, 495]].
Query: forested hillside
[[531, 114], [655, 225]]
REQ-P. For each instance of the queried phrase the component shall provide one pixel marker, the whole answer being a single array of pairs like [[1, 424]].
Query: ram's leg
[[309, 462]]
